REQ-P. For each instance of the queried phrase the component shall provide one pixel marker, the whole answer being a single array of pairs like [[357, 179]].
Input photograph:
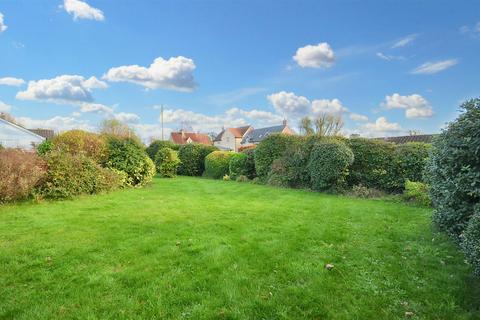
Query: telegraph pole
[[161, 111]]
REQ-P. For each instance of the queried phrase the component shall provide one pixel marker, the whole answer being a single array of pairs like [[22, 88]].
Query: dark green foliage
[[373, 165], [217, 164], [242, 164], [70, 175], [328, 164], [271, 148], [417, 192], [192, 157], [453, 173], [156, 145], [167, 162], [44, 147], [453, 170], [471, 241], [128, 155], [411, 159], [291, 170]]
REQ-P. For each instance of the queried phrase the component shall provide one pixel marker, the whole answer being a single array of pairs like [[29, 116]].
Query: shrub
[[128, 155], [81, 142], [471, 241], [242, 164], [167, 162], [242, 179], [271, 148], [256, 180], [217, 163], [44, 147], [410, 160], [156, 145], [226, 177], [20, 172], [417, 192], [277, 176], [360, 191], [453, 171], [192, 157], [373, 165], [70, 175], [328, 164]]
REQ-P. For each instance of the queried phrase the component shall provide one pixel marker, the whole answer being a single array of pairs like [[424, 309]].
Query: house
[[426, 138], [255, 136], [15, 136], [46, 133], [183, 137], [230, 138]]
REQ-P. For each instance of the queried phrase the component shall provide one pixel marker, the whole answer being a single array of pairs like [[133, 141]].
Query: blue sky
[[386, 66]]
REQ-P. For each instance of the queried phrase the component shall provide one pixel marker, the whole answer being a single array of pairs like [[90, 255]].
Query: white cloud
[[404, 41], [473, 31], [3, 27], [415, 105], [127, 117], [358, 117], [88, 107], [62, 89], [388, 57], [381, 127], [288, 103], [57, 123], [82, 10], [333, 106], [175, 73], [315, 56], [10, 81], [4, 107], [434, 67]]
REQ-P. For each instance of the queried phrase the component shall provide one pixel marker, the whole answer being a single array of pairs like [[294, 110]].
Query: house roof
[[426, 138], [258, 135], [182, 137], [237, 132], [46, 133], [21, 128]]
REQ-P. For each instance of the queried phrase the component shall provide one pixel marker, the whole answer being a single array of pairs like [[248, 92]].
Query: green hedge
[[417, 192], [217, 164], [129, 156], [156, 145], [271, 148], [373, 165], [242, 164], [71, 175], [328, 164], [453, 173], [411, 159], [167, 162], [192, 157]]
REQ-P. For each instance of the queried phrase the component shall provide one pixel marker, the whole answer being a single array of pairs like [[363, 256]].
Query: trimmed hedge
[[128, 155], [78, 142], [417, 192], [410, 160], [192, 157], [71, 175], [291, 169], [471, 241], [328, 164], [167, 162], [271, 148], [373, 165], [453, 173], [242, 164], [156, 145], [217, 164]]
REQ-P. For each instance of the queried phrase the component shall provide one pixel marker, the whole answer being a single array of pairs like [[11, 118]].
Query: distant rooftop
[[426, 138], [258, 135]]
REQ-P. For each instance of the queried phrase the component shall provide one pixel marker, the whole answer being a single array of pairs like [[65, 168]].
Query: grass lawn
[[202, 249]]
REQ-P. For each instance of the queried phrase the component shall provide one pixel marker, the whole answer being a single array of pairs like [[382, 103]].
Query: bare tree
[[325, 125], [306, 127], [117, 128]]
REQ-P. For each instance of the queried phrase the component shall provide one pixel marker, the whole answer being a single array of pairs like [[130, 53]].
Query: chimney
[[284, 122], [182, 131]]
